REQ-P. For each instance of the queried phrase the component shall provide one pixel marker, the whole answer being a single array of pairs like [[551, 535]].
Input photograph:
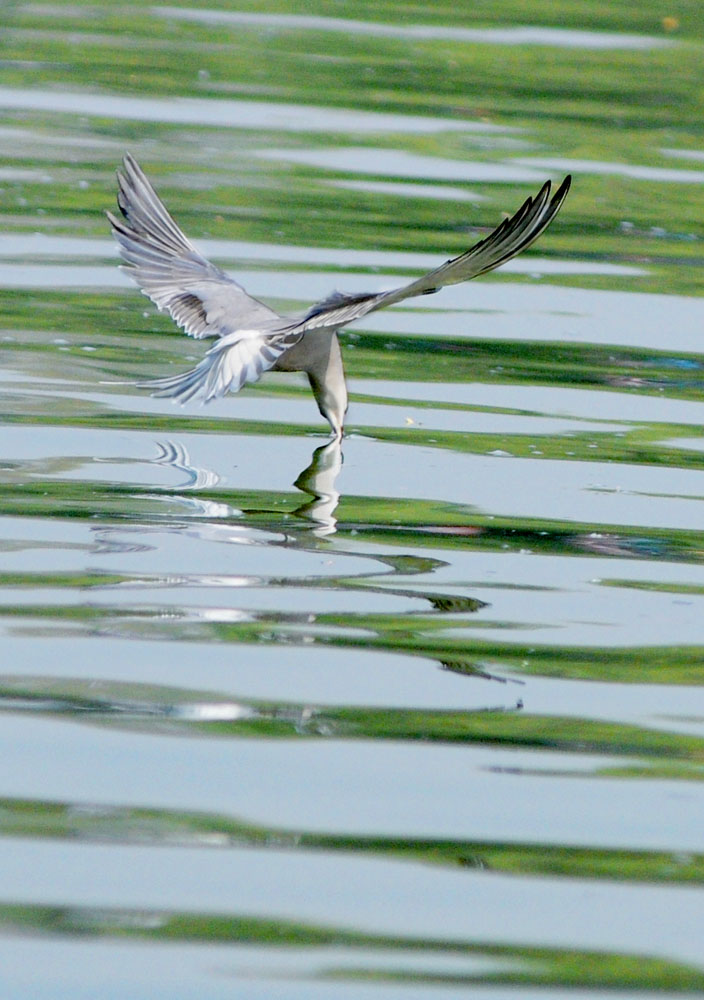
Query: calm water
[[421, 716]]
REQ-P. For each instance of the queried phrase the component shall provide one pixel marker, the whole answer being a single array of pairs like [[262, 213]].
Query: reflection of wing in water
[[318, 480], [173, 453]]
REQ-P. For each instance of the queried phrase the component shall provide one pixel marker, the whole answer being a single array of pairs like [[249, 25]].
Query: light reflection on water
[[397, 163], [240, 114], [41, 245], [419, 713], [523, 35], [322, 785], [366, 894], [661, 174]]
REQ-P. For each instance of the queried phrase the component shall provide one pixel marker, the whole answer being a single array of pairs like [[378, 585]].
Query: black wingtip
[[564, 187]]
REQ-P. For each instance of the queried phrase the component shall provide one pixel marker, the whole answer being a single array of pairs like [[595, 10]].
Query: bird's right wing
[[202, 299], [510, 238]]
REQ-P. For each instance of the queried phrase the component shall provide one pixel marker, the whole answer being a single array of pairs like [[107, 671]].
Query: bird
[[251, 337]]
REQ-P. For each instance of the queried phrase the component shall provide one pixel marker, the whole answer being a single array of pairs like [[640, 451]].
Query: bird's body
[[252, 338]]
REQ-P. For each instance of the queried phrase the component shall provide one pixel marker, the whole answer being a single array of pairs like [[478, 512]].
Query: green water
[[423, 714]]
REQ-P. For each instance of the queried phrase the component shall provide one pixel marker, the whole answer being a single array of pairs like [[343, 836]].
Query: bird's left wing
[[202, 299], [510, 238]]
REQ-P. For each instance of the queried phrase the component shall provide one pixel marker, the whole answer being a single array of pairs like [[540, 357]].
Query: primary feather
[[202, 299]]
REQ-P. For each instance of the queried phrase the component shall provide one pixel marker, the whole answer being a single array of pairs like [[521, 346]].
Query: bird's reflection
[[317, 480]]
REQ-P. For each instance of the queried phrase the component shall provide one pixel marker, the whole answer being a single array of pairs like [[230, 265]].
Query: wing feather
[[205, 302], [510, 238], [200, 297], [228, 365]]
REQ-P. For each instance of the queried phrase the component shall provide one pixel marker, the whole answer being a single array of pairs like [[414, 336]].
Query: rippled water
[[423, 714]]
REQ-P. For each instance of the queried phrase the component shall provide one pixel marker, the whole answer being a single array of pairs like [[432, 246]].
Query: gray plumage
[[253, 338]]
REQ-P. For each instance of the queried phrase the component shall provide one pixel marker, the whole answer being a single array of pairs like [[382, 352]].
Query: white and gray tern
[[253, 338]]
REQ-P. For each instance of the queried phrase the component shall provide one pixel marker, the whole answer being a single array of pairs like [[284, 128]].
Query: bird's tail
[[227, 366]]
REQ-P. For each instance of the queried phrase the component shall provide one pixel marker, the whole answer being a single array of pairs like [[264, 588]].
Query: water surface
[[421, 714]]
